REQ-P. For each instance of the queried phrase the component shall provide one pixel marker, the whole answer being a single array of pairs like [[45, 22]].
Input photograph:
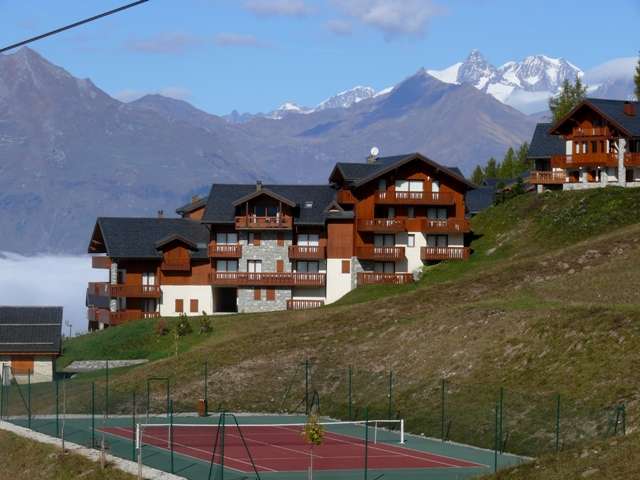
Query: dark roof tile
[[545, 145], [30, 329]]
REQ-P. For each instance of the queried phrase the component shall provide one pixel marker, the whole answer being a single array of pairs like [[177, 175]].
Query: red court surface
[[282, 449]]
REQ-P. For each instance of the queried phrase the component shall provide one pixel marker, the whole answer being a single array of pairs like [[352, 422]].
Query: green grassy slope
[[547, 304]]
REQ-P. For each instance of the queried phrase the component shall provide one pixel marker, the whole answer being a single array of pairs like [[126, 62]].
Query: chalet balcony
[[101, 262], [380, 253], [444, 253], [176, 266], [252, 222], [104, 289], [225, 250], [103, 315], [294, 304], [449, 225], [585, 159], [632, 159], [267, 279], [415, 198], [302, 252], [373, 278], [591, 132], [345, 196], [381, 225], [547, 178]]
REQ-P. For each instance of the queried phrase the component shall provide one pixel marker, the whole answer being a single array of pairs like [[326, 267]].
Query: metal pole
[[106, 396], [558, 423], [133, 428], [366, 443], [93, 414], [306, 386], [350, 394], [57, 408], [169, 401], [501, 419], [29, 397], [171, 433], [496, 434], [224, 420], [390, 394], [206, 405], [442, 408]]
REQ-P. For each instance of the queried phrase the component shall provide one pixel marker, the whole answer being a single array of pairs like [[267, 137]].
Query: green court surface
[[193, 448]]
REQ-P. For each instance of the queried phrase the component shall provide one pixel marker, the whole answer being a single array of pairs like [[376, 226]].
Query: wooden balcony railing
[[449, 225], [372, 278], [591, 132], [100, 262], [103, 289], [547, 178], [225, 250], [176, 266], [444, 253], [294, 304], [370, 252], [267, 279], [345, 196], [251, 222], [632, 159], [585, 159], [302, 252], [382, 225], [419, 198], [102, 315]]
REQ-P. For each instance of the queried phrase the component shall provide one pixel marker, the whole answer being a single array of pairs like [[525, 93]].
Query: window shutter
[[346, 266], [193, 305], [179, 305], [271, 294], [279, 266], [256, 239], [257, 294]]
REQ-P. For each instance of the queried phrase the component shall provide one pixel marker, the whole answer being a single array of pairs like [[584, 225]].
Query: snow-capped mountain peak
[[347, 98], [287, 108]]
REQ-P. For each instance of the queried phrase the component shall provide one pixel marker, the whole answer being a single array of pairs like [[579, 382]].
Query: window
[[402, 186], [223, 238], [257, 294], [416, 186], [193, 305], [254, 266], [227, 266], [271, 294], [437, 213], [437, 240], [254, 238], [384, 267], [179, 305], [148, 278], [391, 212], [308, 204], [411, 240], [594, 147], [382, 185], [307, 267], [265, 211], [280, 239], [346, 266], [411, 212], [149, 305], [435, 186], [309, 239], [384, 240], [279, 265]]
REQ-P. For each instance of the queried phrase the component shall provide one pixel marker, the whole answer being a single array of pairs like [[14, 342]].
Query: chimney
[[195, 198], [373, 156], [258, 185], [630, 109], [160, 213]]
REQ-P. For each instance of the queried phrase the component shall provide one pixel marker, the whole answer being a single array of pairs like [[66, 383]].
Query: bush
[[183, 327], [161, 328], [205, 324]]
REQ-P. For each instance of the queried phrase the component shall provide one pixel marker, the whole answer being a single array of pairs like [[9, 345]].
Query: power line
[[73, 25]]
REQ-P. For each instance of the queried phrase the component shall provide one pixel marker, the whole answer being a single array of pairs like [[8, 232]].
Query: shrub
[[183, 327], [205, 324]]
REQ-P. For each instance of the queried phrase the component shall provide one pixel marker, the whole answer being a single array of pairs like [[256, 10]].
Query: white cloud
[[49, 281], [618, 68], [339, 27], [129, 95], [237, 40], [393, 17], [286, 8], [164, 43]]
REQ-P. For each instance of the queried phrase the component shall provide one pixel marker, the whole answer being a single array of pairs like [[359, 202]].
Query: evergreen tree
[[570, 95], [636, 79], [507, 167], [522, 161], [478, 175], [491, 170]]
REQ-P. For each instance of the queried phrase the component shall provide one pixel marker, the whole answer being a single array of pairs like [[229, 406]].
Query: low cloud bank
[[49, 280]]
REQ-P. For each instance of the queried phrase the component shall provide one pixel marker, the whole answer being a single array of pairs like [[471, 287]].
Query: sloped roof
[[613, 110], [126, 237], [30, 329], [479, 199], [360, 173], [545, 145], [191, 206], [222, 197]]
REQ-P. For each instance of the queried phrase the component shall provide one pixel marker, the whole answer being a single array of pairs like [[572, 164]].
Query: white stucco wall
[[203, 293], [338, 283], [413, 261], [42, 369]]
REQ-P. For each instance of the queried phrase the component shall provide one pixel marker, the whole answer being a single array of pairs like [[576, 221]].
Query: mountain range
[[70, 152]]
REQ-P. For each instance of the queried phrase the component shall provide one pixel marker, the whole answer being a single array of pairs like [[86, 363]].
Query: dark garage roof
[[545, 145], [126, 237], [30, 329]]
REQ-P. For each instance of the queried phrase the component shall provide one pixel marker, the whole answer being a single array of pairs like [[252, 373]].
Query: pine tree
[[478, 175], [507, 167], [568, 97], [491, 170], [522, 162], [636, 79]]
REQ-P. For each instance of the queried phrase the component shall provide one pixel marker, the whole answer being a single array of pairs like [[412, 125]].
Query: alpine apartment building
[[595, 145], [252, 248]]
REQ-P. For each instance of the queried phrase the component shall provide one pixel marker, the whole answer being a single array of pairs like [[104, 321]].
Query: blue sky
[[252, 55]]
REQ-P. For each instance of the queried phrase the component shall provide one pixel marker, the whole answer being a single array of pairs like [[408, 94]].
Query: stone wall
[[247, 304]]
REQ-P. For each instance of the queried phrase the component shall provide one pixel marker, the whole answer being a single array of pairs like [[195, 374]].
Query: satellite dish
[[375, 151]]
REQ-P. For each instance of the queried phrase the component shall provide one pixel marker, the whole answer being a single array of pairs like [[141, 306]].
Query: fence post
[[133, 428], [106, 395], [206, 401], [350, 393], [29, 397], [558, 423], [624, 419], [442, 408], [57, 382], [390, 394], [223, 425], [93, 414], [496, 439], [169, 400], [306, 386], [171, 433], [501, 420]]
